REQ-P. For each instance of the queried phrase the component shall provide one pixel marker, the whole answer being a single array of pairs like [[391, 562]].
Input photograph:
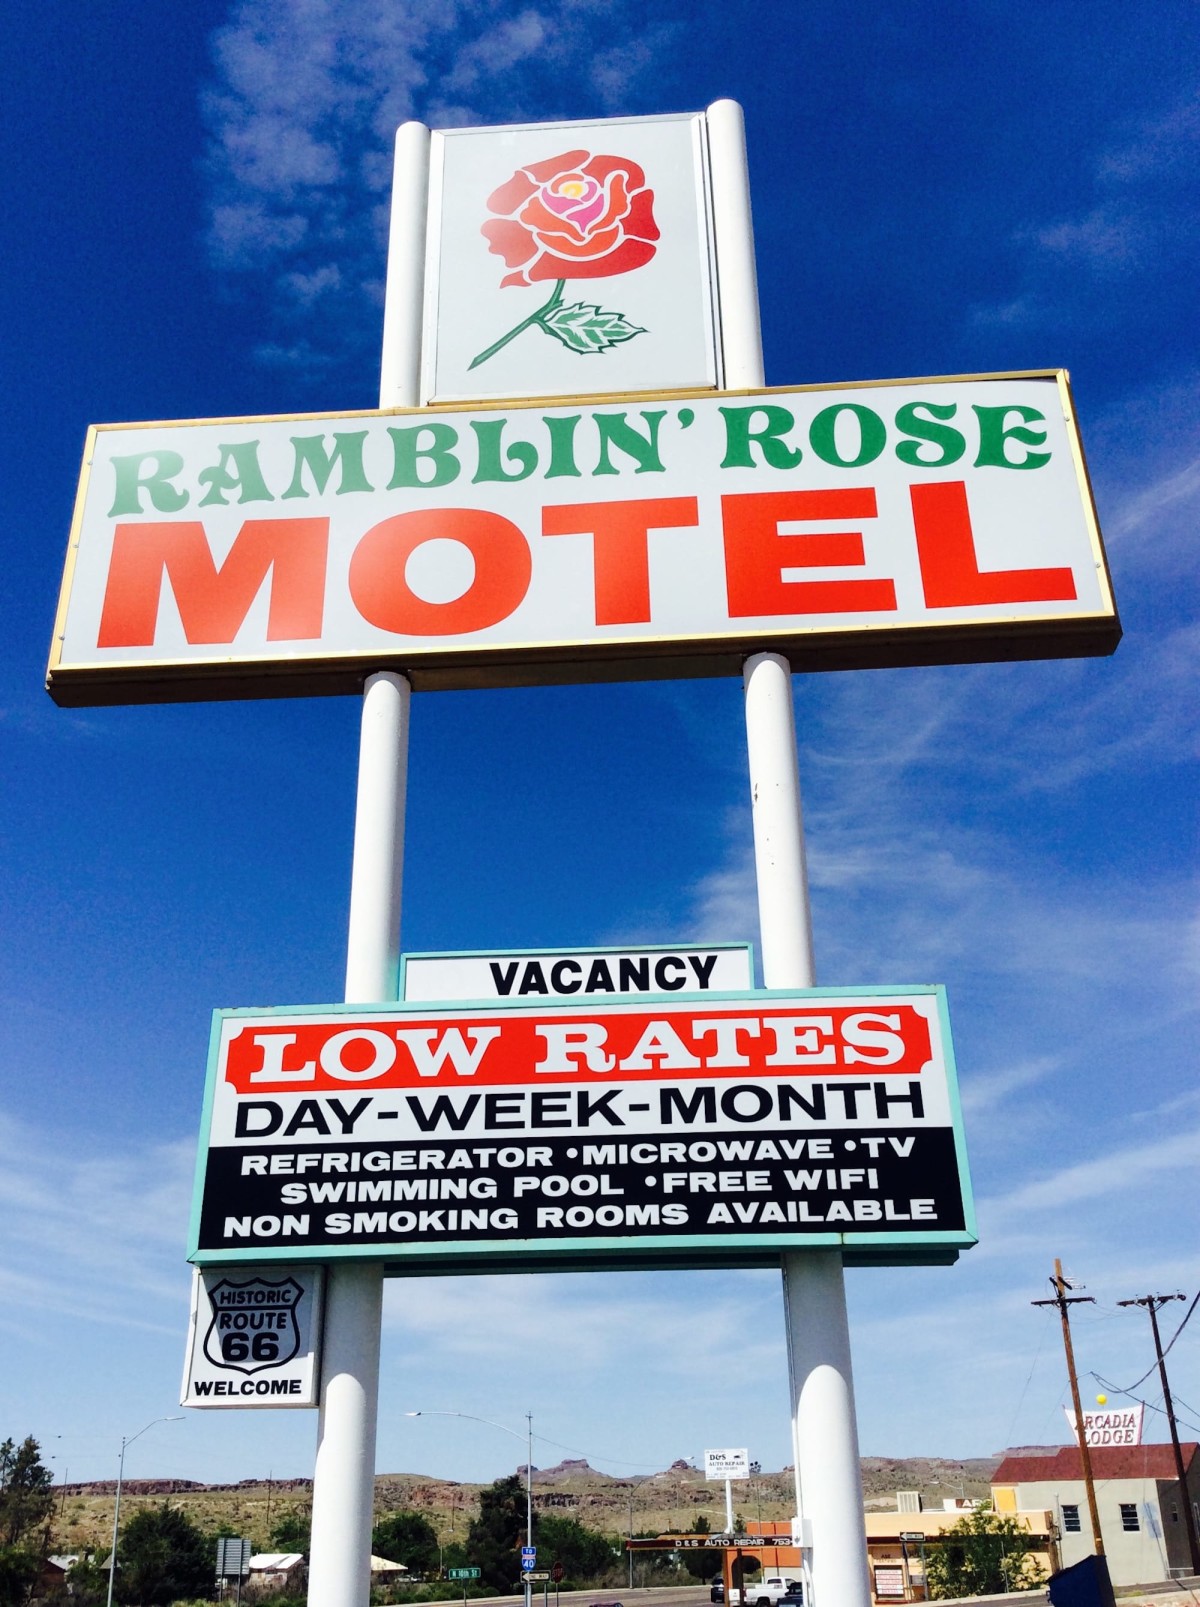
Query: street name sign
[[254, 1337], [462, 1573], [666, 1131], [922, 521], [562, 973]]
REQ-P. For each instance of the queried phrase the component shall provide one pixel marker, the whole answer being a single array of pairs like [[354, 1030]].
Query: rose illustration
[[574, 216]]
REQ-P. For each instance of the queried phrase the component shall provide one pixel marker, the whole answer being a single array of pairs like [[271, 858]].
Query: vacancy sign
[[561, 973], [920, 522], [712, 1130]]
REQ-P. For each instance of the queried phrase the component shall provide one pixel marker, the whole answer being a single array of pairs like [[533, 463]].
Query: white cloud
[[306, 97], [95, 1235]]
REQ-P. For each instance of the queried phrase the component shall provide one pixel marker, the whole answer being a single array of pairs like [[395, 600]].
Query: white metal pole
[[344, 1474], [818, 1343], [733, 230], [728, 1506], [400, 369], [112, 1556], [528, 1498], [781, 870], [339, 1571], [823, 1404], [828, 1482]]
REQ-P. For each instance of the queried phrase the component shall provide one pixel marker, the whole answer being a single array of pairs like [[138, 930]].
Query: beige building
[[1138, 1502]]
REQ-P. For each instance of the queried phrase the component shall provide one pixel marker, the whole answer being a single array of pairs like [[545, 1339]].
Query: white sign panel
[[569, 259], [651, 1130], [254, 1337], [922, 522], [1110, 1425], [727, 1464], [562, 973]]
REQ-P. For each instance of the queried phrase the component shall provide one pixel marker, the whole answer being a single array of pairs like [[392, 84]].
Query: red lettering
[[757, 553], [213, 600], [382, 595], [620, 548], [950, 573]]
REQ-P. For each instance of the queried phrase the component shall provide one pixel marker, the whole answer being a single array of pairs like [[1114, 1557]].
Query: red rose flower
[[574, 216]]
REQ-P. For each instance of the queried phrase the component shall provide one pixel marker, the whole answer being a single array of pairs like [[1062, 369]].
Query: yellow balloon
[[1101, 1400]]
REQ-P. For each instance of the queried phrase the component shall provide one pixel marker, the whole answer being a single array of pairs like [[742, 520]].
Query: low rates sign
[[925, 521], [712, 1130]]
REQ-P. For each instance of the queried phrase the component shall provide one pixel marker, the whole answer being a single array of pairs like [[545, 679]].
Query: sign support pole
[[344, 1474], [828, 1481]]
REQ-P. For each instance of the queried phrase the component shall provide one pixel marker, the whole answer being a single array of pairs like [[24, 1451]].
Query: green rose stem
[[534, 318]]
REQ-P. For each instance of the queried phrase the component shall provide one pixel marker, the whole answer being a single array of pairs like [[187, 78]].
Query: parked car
[[716, 1591], [770, 1591]]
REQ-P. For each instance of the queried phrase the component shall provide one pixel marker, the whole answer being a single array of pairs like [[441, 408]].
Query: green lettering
[[407, 454], [872, 435], [130, 483], [994, 435], [562, 446], [246, 477], [739, 438], [643, 449], [521, 454], [950, 443], [311, 452]]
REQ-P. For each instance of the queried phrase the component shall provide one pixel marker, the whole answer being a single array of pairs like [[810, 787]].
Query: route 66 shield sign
[[254, 1338], [253, 1323]]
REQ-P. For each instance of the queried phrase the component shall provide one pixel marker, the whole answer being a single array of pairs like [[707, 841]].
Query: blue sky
[[195, 214]]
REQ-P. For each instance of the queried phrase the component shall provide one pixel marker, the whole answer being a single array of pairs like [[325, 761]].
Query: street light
[[517, 1435], [112, 1560]]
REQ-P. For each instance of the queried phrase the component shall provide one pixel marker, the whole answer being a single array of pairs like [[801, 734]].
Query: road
[[694, 1595]]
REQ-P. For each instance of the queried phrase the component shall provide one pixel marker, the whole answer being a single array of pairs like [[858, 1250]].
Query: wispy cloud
[[90, 1235], [304, 101], [1134, 226]]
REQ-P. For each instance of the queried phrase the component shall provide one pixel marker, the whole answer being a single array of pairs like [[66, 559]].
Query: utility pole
[[1062, 1301], [1152, 1303]]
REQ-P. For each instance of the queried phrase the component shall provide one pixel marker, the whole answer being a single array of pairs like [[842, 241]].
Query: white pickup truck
[[768, 1591]]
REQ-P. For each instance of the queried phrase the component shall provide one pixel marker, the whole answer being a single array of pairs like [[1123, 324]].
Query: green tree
[[583, 1553], [18, 1571], [292, 1530], [495, 1537], [26, 1500], [983, 1554], [409, 1538], [161, 1556], [26, 1504]]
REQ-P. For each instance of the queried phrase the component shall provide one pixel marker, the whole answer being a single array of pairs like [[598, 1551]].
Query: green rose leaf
[[585, 329]]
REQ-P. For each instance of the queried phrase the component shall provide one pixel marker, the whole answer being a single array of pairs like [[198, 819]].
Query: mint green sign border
[[695, 1252]]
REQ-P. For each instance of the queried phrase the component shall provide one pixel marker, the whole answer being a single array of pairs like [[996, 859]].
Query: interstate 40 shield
[[683, 1131]]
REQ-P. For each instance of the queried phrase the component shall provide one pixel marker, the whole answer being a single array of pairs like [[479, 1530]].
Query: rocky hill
[[644, 1503]]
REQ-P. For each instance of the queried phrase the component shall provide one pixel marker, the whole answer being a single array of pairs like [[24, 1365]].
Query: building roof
[[932, 1523], [1108, 1462], [275, 1562]]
